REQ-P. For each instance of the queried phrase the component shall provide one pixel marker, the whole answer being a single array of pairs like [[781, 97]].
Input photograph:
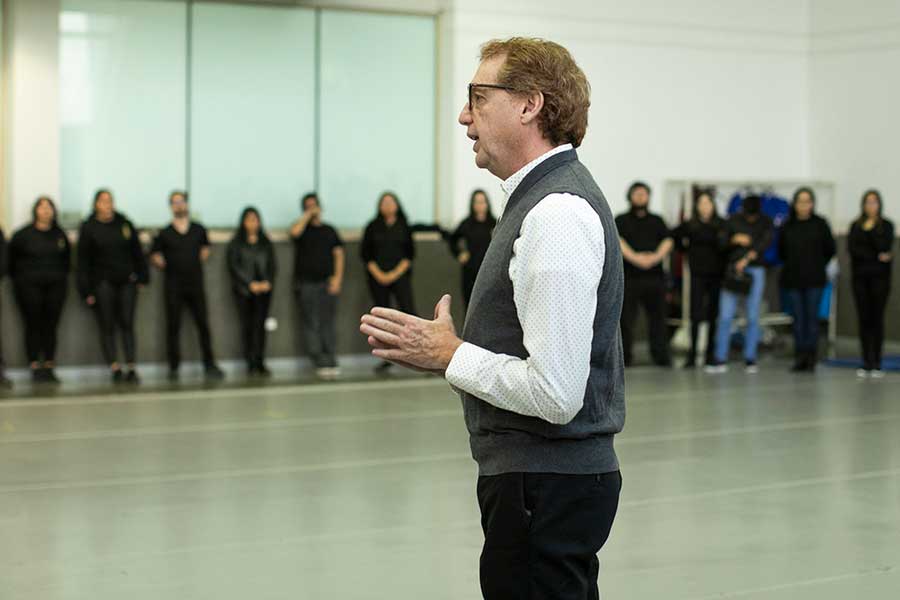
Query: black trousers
[[400, 290], [871, 294], [41, 305], [649, 292], [704, 307], [317, 313], [114, 309], [194, 297], [253, 310], [542, 532]]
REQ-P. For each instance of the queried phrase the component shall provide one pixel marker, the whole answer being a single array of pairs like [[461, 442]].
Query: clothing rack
[[677, 201]]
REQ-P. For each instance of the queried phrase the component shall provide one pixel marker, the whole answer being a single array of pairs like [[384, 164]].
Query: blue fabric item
[[728, 304], [888, 363], [773, 206]]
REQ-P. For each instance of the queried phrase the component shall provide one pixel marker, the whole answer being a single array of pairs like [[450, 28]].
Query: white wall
[[693, 88], [31, 119], [854, 100]]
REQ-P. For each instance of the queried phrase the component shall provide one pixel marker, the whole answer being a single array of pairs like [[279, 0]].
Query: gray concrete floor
[[764, 487]]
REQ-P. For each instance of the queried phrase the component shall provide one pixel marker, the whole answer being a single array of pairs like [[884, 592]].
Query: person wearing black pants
[[871, 243], [4, 380], [387, 251], [703, 237], [111, 266], [806, 245], [180, 250], [39, 260], [318, 277], [470, 241], [645, 241], [251, 264]]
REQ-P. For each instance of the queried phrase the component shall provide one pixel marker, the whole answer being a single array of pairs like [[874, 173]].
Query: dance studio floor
[[761, 487]]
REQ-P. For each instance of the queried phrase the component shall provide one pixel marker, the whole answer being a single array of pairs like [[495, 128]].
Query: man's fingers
[[380, 335], [442, 308], [383, 324], [375, 343], [390, 354], [390, 314]]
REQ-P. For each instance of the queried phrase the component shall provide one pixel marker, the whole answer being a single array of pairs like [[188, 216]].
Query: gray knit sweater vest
[[503, 441]]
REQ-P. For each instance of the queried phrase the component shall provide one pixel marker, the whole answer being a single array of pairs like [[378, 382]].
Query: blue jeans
[[805, 303], [728, 303]]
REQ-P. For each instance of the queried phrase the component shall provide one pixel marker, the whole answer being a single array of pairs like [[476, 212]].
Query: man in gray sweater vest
[[539, 366]]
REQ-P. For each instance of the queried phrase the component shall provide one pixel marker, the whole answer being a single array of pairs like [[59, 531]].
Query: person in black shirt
[[749, 234], [251, 264], [871, 244], [318, 276], [4, 380], [703, 238], [39, 261], [387, 251], [805, 246], [470, 241], [111, 267], [180, 250], [645, 242]]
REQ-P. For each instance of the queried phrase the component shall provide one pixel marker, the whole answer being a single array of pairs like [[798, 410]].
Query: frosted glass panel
[[377, 114], [122, 103], [252, 111]]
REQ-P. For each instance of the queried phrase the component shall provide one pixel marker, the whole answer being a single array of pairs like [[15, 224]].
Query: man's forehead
[[488, 69]]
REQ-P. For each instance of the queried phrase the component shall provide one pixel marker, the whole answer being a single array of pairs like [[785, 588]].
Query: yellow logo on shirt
[[126, 232]]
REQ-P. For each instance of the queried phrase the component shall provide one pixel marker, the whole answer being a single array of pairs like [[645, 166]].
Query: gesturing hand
[[410, 341]]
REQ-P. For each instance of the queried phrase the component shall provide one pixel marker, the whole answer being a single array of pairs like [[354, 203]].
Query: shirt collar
[[509, 185]]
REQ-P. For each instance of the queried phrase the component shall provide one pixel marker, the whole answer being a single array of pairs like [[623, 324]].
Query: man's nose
[[465, 115]]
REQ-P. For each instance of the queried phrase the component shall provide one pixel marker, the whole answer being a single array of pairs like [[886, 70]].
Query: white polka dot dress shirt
[[555, 270]]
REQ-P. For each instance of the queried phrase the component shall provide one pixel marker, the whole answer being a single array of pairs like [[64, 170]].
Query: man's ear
[[534, 103]]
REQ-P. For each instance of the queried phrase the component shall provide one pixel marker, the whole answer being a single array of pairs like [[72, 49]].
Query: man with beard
[[180, 250], [645, 242]]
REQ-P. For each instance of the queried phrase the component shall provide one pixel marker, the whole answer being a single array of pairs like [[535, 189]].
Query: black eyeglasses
[[493, 86]]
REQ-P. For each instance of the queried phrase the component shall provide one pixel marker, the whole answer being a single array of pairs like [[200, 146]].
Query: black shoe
[[132, 378], [383, 368], [691, 362], [799, 363], [173, 376], [50, 376], [811, 360], [39, 375], [213, 373], [118, 376], [263, 371]]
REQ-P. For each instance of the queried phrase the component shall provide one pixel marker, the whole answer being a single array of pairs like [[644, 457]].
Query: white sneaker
[[328, 373], [876, 374], [751, 368], [716, 369], [862, 373]]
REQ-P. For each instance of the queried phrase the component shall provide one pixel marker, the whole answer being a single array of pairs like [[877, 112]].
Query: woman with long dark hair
[[387, 252], [470, 241], [871, 244], [111, 266], [704, 238], [251, 264], [805, 246], [39, 261]]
